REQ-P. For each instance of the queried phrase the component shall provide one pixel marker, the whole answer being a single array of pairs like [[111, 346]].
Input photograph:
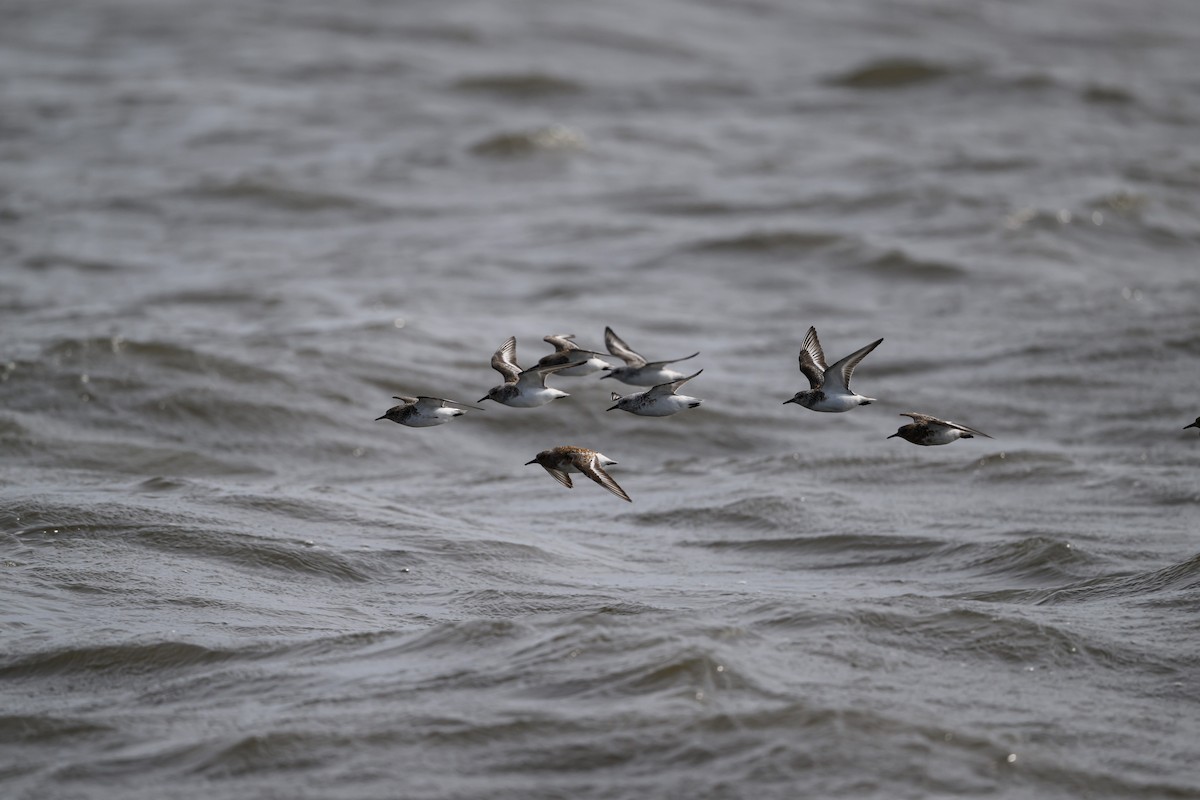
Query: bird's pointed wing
[[405, 399], [616, 345], [596, 472], [559, 476], [672, 387], [840, 372], [671, 360], [812, 345], [441, 402], [925, 419], [968, 429], [575, 356], [812, 360], [561, 341], [537, 375], [815, 375], [504, 360], [556, 358]]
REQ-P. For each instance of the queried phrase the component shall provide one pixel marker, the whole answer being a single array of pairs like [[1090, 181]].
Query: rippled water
[[229, 233]]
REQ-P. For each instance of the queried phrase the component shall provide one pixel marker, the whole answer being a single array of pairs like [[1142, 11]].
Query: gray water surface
[[230, 232]]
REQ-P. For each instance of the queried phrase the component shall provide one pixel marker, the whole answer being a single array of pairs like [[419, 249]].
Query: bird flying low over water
[[829, 387], [522, 388], [1195, 424], [926, 430], [637, 370], [661, 401], [560, 461], [567, 352], [425, 412]]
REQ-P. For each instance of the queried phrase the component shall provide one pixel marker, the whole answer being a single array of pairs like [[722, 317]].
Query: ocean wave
[[1108, 94], [249, 552], [130, 358], [834, 551], [768, 240], [896, 263], [132, 658], [519, 85], [120, 454], [761, 513], [1182, 578], [974, 634], [477, 634], [49, 261], [181, 532], [518, 144], [1024, 465], [1034, 558], [28, 729], [893, 73], [680, 674], [204, 415], [266, 753], [222, 199]]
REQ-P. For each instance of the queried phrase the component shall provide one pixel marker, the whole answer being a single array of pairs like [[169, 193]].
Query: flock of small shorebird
[[829, 391]]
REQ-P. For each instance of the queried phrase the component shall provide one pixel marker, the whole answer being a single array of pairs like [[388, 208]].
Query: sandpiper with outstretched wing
[[566, 352], [561, 461], [425, 412], [661, 401], [638, 371], [829, 387], [927, 431], [522, 388]]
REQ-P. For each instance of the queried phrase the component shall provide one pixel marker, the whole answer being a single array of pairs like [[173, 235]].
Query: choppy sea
[[230, 232]]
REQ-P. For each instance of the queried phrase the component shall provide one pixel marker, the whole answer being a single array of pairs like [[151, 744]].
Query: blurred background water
[[231, 231]]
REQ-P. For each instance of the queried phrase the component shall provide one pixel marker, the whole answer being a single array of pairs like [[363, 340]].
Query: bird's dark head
[[1195, 424], [908, 433], [620, 373]]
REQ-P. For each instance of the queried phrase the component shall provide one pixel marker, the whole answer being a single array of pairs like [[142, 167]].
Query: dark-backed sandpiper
[[829, 387], [561, 461], [926, 430]]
